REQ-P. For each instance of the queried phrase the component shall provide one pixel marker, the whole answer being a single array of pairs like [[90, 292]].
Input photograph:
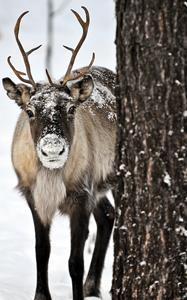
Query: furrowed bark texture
[[150, 232]]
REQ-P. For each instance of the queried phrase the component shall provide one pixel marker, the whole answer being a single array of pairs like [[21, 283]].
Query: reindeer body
[[77, 188], [63, 154]]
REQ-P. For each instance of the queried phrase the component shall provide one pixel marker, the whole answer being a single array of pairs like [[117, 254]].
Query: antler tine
[[32, 50], [49, 77], [84, 24], [80, 72], [17, 73], [87, 22], [24, 54], [50, 80]]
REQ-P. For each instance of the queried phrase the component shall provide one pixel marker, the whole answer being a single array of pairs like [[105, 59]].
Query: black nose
[[62, 151]]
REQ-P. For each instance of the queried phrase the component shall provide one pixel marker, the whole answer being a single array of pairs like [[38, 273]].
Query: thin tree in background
[[51, 13], [150, 234], [49, 48]]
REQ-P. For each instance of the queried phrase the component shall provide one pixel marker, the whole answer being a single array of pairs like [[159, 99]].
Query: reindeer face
[[51, 123], [51, 111]]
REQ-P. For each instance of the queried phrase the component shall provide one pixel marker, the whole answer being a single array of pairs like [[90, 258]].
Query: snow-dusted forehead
[[47, 102], [49, 96]]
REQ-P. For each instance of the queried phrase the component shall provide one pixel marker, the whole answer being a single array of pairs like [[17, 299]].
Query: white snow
[[17, 258], [122, 167], [52, 144], [181, 219], [180, 158], [143, 263], [98, 92], [167, 179], [128, 173], [170, 132], [185, 114], [123, 227], [112, 116], [181, 230], [177, 82]]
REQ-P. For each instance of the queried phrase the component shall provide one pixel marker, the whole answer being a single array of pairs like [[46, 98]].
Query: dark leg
[[79, 219], [42, 248], [104, 217]]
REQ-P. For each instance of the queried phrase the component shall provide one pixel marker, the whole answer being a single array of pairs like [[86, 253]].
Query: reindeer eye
[[71, 110], [30, 113]]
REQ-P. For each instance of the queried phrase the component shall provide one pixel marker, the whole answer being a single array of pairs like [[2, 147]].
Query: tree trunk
[[150, 235], [49, 48]]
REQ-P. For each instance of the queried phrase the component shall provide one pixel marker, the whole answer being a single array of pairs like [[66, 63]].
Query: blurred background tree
[[51, 13]]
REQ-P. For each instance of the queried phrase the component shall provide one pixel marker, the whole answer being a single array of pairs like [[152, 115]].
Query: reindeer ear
[[18, 92], [82, 89]]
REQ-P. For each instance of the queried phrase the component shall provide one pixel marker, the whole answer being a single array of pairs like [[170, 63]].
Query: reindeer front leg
[[42, 248], [79, 219], [104, 217]]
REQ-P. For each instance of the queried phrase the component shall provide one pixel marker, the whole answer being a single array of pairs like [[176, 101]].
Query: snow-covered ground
[[17, 260]]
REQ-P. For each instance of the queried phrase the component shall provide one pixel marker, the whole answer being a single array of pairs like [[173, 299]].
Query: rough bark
[[150, 232]]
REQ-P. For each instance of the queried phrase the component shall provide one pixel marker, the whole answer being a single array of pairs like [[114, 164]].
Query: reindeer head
[[51, 107]]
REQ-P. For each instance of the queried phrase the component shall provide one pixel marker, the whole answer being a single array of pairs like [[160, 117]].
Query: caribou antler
[[69, 76], [24, 54], [79, 73]]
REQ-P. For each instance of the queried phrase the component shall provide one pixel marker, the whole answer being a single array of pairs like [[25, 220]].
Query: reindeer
[[63, 154]]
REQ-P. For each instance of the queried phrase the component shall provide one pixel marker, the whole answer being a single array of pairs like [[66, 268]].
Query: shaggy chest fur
[[49, 192]]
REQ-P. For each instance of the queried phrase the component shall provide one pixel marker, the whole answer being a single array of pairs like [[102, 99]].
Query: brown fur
[[24, 156], [89, 151]]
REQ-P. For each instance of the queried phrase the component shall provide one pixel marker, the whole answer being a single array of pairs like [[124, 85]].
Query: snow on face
[[52, 151], [47, 101], [52, 127]]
